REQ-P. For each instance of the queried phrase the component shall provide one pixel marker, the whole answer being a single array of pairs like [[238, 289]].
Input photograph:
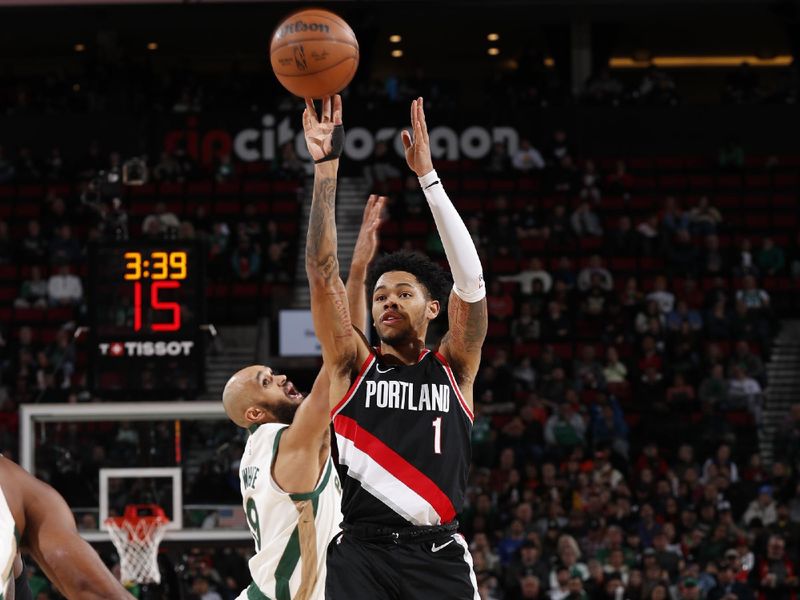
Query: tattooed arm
[[341, 349]]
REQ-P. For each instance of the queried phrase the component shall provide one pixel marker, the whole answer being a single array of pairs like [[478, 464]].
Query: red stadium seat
[[228, 189], [200, 188], [170, 188], [256, 188]]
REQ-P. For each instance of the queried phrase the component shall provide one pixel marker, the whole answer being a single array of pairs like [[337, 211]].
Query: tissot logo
[[174, 348]]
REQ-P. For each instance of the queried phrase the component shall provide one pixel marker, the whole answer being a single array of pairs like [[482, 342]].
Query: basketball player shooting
[[34, 516], [402, 414], [290, 491]]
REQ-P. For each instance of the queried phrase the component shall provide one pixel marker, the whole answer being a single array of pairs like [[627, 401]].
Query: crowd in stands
[[617, 409]]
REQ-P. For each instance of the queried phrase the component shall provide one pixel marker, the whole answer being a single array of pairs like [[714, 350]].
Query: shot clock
[[147, 302]]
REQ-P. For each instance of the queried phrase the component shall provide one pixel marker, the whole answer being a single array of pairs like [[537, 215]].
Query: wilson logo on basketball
[[300, 26]]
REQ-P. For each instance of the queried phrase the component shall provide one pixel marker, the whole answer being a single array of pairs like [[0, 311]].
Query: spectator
[[498, 161], [168, 168], [762, 508], [750, 363], [585, 221], [528, 226], [64, 249], [162, 223], [225, 170], [201, 590], [609, 430], [754, 298], [565, 429], [527, 158], [743, 260], [615, 370], [527, 276], [64, 288], [721, 464], [680, 395], [559, 147], [527, 564], [622, 241], [787, 439], [559, 225], [527, 327], [34, 291], [556, 326], [500, 303], [683, 314], [291, 167], [665, 299], [587, 371], [744, 392], [620, 181], [595, 267], [728, 586], [771, 259], [34, 246], [649, 235], [704, 218], [713, 261], [246, 259], [673, 218]]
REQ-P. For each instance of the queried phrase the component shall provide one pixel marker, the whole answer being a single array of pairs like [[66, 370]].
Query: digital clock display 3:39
[[165, 270]]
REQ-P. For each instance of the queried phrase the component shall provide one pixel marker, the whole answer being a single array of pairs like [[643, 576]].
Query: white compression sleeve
[[458, 246]]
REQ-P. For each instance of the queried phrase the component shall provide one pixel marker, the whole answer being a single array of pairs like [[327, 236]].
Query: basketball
[[314, 53]]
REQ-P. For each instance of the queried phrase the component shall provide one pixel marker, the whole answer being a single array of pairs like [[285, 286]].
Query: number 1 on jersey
[[437, 435]]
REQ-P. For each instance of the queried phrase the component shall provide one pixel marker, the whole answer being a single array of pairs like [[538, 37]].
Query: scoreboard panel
[[146, 305]]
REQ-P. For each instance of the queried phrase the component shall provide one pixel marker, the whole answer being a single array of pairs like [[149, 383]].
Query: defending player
[[34, 516], [290, 490], [402, 414]]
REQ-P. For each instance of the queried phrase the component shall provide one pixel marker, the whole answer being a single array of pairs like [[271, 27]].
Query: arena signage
[[264, 141], [122, 349]]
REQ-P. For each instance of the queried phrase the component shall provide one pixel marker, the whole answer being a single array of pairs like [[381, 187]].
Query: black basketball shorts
[[432, 570]]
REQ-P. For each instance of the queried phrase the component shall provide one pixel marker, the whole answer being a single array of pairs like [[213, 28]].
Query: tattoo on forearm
[[468, 324], [339, 299], [321, 239]]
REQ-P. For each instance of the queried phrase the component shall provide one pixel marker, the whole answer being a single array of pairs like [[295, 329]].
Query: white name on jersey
[[402, 395]]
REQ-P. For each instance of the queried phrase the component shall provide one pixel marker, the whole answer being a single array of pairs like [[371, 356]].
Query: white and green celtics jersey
[[9, 539], [291, 531]]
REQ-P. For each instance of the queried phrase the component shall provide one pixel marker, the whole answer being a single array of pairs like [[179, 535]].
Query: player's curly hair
[[435, 279]]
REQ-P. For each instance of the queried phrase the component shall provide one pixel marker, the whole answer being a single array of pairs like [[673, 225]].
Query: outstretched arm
[[50, 535], [329, 308], [467, 312], [301, 444]]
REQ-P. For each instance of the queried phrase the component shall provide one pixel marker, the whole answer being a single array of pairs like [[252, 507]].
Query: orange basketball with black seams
[[314, 53]]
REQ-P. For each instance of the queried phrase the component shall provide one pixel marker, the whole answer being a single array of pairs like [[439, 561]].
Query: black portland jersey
[[403, 434]]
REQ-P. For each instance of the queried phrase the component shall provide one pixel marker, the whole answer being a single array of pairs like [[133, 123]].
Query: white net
[[137, 540]]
